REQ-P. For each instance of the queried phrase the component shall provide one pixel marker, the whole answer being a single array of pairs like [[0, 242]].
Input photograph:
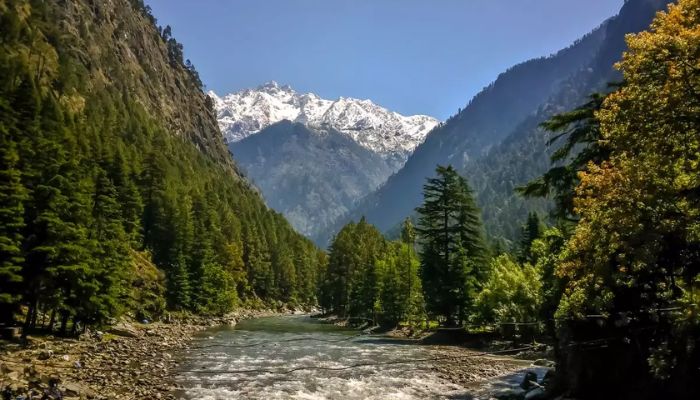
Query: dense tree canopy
[[102, 203], [634, 257]]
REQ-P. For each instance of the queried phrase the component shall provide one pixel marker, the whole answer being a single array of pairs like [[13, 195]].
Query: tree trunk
[[64, 322], [52, 320], [28, 319]]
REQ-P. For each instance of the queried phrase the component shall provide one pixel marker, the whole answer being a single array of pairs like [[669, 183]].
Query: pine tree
[[581, 129], [12, 197], [129, 198], [111, 249], [531, 230], [392, 294], [452, 255], [369, 246], [179, 289], [400, 297], [408, 232], [409, 260], [352, 281]]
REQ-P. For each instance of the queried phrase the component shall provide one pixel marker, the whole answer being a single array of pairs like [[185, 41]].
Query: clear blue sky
[[412, 56]]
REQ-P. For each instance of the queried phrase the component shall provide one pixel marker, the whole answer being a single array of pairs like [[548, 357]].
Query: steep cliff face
[[119, 44]]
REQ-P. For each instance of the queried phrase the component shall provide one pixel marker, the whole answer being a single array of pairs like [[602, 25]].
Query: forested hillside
[[495, 140], [117, 192], [525, 153]]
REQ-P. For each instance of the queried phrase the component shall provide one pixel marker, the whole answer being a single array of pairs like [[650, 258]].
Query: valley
[[314, 159], [178, 232]]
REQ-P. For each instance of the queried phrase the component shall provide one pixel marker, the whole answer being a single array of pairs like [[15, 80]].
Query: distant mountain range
[[313, 158], [379, 130]]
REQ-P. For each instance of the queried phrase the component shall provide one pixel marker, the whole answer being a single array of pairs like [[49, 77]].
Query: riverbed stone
[[537, 393], [542, 362], [45, 354], [529, 380], [548, 377], [125, 330], [511, 394]]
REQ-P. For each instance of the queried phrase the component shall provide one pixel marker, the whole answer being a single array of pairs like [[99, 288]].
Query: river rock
[[537, 393], [529, 380], [548, 377], [125, 330], [543, 363], [511, 394]]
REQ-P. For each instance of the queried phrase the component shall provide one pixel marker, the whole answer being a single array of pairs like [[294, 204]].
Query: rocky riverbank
[[488, 376], [499, 369], [128, 361]]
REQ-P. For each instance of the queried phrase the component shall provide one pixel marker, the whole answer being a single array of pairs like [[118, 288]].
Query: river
[[297, 357]]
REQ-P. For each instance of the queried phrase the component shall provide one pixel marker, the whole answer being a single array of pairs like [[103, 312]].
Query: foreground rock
[[130, 361]]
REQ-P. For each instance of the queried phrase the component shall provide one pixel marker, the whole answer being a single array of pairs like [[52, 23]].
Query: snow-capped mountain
[[385, 132], [314, 158]]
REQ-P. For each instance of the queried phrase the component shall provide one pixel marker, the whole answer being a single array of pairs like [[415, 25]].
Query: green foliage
[[400, 289], [12, 197], [452, 246], [634, 255], [544, 253], [369, 278], [513, 292], [351, 284], [218, 290], [531, 230], [581, 130], [106, 207]]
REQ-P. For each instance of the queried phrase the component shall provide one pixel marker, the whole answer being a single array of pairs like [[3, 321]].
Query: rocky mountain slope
[[495, 140], [379, 130], [310, 177]]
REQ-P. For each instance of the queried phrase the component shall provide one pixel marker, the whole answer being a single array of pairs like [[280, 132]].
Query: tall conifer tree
[[452, 255]]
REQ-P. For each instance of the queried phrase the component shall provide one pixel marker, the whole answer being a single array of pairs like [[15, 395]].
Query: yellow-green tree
[[634, 258], [511, 294]]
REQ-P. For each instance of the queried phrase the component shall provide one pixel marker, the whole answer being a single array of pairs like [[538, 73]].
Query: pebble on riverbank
[[129, 361]]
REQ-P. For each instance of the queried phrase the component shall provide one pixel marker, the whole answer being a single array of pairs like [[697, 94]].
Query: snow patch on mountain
[[388, 133]]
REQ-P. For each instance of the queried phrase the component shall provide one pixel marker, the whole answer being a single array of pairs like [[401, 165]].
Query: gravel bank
[[130, 361]]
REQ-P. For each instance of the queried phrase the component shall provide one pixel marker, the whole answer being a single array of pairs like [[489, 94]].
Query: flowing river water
[[297, 357]]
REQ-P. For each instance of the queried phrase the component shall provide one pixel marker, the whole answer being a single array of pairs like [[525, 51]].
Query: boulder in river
[[548, 377], [529, 380]]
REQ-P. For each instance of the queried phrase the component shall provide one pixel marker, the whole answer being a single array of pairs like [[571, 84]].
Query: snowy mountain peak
[[274, 87], [388, 133]]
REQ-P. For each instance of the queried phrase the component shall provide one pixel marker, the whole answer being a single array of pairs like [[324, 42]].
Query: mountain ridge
[[311, 177], [374, 127], [509, 108]]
